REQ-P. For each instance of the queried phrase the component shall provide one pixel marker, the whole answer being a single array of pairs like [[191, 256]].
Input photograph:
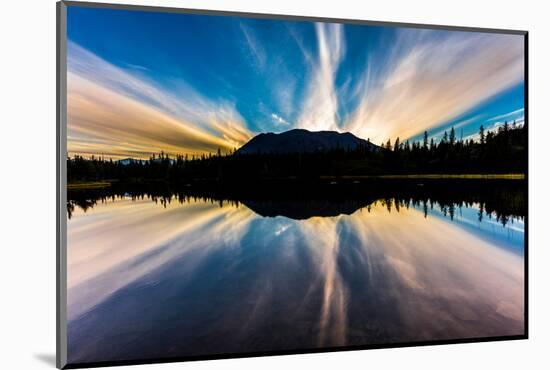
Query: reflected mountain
[[502, 199], [158, 272], [299, 209]]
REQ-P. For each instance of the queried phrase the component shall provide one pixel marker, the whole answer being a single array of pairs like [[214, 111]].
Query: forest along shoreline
[[320, 157], [504, 198]]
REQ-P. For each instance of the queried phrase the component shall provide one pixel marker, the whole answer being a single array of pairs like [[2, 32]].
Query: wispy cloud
[[412, 80], [431, 77], [425, 79], [112, 112], [136, 66], [279, 120], [254, 46], [319, 110], [457, 125], [284, 92], [508, 115], [495, 126]]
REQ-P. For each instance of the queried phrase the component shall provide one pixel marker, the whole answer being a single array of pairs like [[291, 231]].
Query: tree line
[[501, 151], [501, 199]]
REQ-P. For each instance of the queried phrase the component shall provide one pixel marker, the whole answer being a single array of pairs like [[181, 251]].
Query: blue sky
[[142, 82]]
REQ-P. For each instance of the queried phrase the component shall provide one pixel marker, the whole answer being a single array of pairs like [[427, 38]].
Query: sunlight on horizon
[[425, 80]]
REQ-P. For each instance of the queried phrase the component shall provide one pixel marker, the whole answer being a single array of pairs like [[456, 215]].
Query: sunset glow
[[182, 90]]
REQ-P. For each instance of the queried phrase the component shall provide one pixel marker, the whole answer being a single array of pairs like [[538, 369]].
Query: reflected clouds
[[370, 277], [441, 265], [120, 242]]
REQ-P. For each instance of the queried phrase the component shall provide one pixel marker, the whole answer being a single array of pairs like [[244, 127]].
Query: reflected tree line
[[499, 199], [501, 151], [88, 199]]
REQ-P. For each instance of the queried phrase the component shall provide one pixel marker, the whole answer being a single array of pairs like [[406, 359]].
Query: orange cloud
[[115, 114]]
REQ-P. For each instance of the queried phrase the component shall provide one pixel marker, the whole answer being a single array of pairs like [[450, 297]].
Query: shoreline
[[504, 176], [88, 185], [101, 184]]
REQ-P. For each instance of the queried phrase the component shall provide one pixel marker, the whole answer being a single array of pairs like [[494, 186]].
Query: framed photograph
[[234, 184]]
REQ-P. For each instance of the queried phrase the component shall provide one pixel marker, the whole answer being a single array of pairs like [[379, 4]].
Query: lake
[[169, 273]]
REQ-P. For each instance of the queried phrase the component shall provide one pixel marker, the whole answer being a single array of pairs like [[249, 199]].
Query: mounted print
[[234, 184]]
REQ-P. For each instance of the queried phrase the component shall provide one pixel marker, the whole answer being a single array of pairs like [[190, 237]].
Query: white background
[[27, 194]]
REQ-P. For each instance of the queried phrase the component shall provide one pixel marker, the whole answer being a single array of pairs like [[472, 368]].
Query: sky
[[144, 82]]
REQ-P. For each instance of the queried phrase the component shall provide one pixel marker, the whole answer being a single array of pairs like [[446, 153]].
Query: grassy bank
[[88, 185], [506, 176], [100, 184]]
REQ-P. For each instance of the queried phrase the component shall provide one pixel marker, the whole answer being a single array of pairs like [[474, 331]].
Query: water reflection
[[159, 276]]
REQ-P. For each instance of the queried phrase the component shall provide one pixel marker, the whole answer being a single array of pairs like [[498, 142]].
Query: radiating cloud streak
[[256, 49], [320, 108], [431, 77], [414, 80], [115, 113], [495, 123], [508, 115], [457, 126], [425, 79]]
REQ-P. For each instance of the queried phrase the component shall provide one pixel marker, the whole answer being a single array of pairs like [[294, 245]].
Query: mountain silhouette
[[304, 141]]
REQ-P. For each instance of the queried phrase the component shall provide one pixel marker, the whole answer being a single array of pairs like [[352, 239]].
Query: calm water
[[156, 277]]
